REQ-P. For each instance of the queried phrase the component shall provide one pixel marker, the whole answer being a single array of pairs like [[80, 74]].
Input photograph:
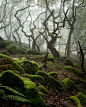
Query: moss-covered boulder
[[11, 79], [37, 78], [31, 92], [33, 52], [13, 49], [76, 100], [6, 63], [50, 80], [54, 75], [43, 89], [30, 67], [74, 70], [4, 44], [49, 58], [68, 84], [68, 62], [62, 59]]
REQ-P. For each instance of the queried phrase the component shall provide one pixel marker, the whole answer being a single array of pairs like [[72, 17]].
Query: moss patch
[[3, 44], [11, 79], [6, 63], [76, 100], [74, 70], [49, 58], [33, 52], [37, 78], [52, 82], [42, 95], [43, 89], [31, 92], [54, 75], [30, 67], [68, 62], [81, 97], [68, 84]]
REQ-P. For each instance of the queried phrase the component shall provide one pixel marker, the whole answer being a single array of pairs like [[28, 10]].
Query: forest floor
[[58, 99]]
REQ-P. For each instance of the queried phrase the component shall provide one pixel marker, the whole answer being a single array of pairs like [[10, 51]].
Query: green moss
[[74, 70], [13, 49], [54, 75], [5, 52], [81, 97], [11, 79], [6, 63], [3, 44], [62, 59], [50, 80], [75, 65], [68, 84], [33, 52], [42, 95], [37, 78], [30, 67], [15, 71], [43, 89], [17, 67], [76, 100], [31, 92], [58, 67], [49, 58], [68, 62]]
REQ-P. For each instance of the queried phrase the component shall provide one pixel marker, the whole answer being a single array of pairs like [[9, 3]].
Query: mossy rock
[[76, 100], [81, 97], [5, 52], [37, 78], [42, 95], [54, 75], [9, 78], [33, 52], [13, 49], [75, 65], [62, 59], [4, 44], [74, 70], [6, 63], [31, 92], [55, 84], [30, 67], [49, 58], [69, 85], [43, 89], [68, 62]]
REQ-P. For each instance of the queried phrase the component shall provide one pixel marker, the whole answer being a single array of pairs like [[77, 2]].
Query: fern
[[17, 98], [11, 90]]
